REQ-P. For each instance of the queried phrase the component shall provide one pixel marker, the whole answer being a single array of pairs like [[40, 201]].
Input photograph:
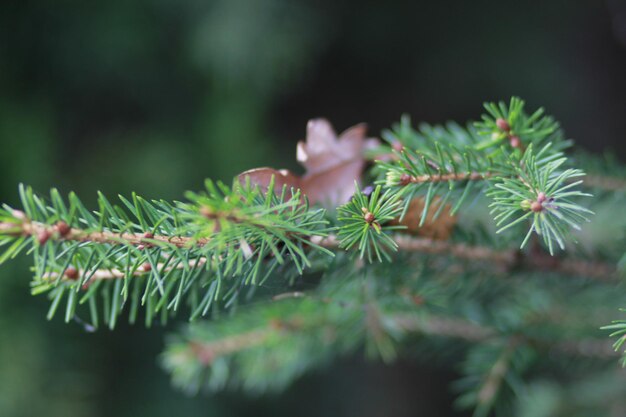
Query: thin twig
[[475, 333], [103, 274], [286, 295], [508, 258], [493, 381], [463, 176], [206, 352], [605, 183], [105, 237]]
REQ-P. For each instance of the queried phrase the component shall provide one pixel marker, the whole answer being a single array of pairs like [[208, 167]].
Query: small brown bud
[[62, 227], [276, 324], [405, 179], [503, 125], [397, 146], [541, 197], [536, 206], [43, 236], [205, 356], [515, 141], [433, 165], [369, 217], [418, 300], [146, 267], [71, 273], [143, 246], [19, 214], [207, 212]]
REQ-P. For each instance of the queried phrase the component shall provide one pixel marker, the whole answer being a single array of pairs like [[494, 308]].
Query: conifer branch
[[525, 178], [605, 182], [193, 253], [208, 250], [191, 360], [502, 259], [205, 352]]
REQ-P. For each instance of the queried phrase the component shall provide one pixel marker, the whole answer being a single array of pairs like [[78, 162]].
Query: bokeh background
[[154, 96]]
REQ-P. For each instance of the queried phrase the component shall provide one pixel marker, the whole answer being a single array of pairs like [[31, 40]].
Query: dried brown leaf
[[439, 228], [263, 176], [332, 163]]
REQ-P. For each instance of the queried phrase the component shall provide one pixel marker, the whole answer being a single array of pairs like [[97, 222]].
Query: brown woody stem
[[502, 258], [104, 237], [464, 176], [605, 183], [492, 383], [103, 274], [474, 333], [207, 352]]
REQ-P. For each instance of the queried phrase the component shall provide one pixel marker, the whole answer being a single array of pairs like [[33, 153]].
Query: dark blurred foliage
[[154, 96]]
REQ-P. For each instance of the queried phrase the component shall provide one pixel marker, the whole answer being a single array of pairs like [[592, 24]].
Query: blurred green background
[[154, 96]]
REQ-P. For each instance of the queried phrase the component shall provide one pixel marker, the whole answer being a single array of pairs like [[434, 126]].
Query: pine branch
[[383, 307], [204, 253], [191, 253], [499, 259], [268, 345], [361, 223], [618, 330], [540, 192], [524, 177], [532, 188]]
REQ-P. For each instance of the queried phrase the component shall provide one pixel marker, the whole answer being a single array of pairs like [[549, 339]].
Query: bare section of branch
[[207, 352], [462, 176], [105, 237], [492, 383], [475, 333], [605, 183], [103, 274]]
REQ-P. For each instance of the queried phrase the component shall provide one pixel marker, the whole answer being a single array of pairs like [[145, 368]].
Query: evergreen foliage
[[298, 294]]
